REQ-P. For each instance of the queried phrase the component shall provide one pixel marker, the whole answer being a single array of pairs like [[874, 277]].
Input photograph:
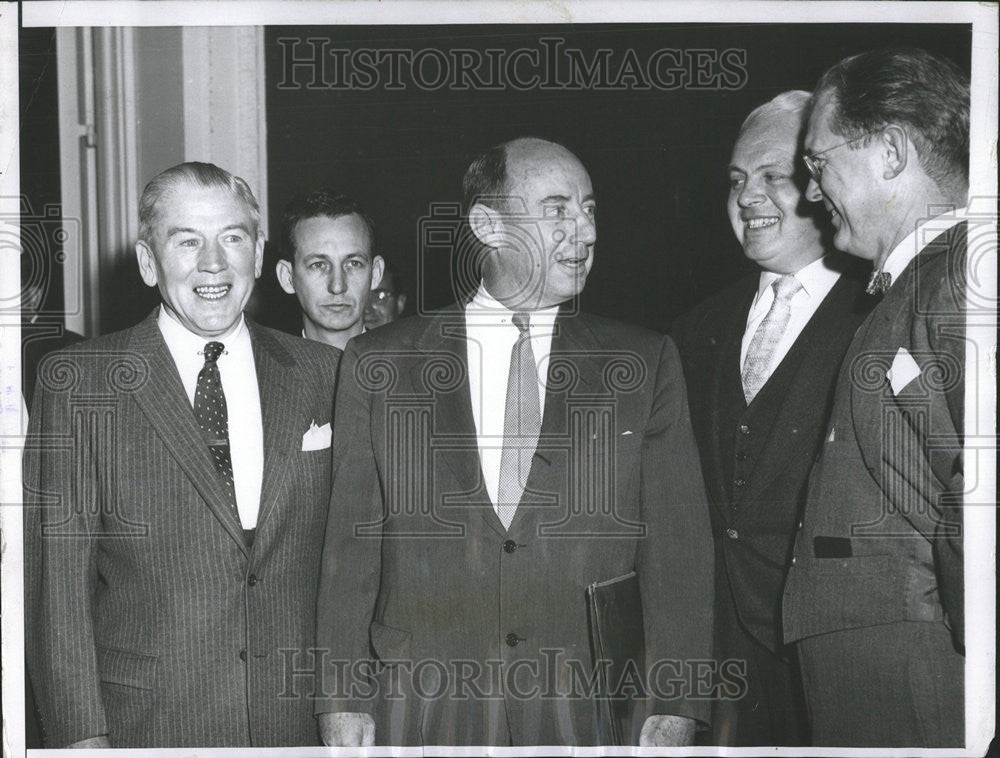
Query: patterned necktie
[[879, 283], [522, 423], [213, 418], [768, 334]]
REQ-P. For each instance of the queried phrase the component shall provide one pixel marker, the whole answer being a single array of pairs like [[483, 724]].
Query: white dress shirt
[[924, 233], [491, 336], [817, 279], [239, 383]]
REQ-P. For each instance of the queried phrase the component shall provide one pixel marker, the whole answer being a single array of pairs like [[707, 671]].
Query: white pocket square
[[317, 437], [904, 370]]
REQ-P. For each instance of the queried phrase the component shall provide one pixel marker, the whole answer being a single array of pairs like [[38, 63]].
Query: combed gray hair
[[203, 174]]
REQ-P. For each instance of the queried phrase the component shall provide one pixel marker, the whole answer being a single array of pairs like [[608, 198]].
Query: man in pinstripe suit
[[176, 489]]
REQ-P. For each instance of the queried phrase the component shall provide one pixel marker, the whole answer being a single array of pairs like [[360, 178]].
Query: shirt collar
[[183, 341], [815, 278], [486, 309], [901, 255]]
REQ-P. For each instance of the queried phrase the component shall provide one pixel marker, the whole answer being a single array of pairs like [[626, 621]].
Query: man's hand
[[667, 731], [92, 743], [347, 729]]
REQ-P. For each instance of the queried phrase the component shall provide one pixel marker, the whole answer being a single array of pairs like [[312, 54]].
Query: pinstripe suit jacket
[[148, 618]]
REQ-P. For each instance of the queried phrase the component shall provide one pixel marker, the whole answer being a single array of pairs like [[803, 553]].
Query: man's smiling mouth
[[213, 291]]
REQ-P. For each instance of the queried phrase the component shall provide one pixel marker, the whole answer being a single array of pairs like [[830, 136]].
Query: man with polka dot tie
[[170, 586]]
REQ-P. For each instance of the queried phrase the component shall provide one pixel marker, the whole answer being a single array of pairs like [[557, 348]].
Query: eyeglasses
[[815, 167], [380, 296]]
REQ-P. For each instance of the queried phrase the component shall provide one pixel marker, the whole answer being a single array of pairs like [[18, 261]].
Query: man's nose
[[337, 283], [813, 193], [212, 258], [584, 230], [750, 195]]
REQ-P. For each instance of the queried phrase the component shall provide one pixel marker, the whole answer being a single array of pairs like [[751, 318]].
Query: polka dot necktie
[[213, 418], [765, 339], [522, 423]]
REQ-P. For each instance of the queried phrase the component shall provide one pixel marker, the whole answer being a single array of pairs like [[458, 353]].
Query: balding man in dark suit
[[498, 458]]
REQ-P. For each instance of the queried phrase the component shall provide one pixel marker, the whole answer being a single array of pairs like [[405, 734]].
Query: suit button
[[252, 580], [512, 640], [243, 655], [509, 546], [732, 534], [744, 429], [740, 482]]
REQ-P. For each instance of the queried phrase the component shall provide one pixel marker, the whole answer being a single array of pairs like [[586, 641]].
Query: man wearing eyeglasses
[[761, 358], [874, 596]]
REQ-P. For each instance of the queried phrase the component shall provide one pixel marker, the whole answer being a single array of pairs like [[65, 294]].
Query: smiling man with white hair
[[760, 359], [171, 563]]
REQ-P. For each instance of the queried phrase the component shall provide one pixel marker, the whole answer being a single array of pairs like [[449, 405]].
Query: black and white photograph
[[420, 377]]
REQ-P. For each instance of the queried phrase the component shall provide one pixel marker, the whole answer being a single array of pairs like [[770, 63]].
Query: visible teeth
[[760, 223], [212, 292]]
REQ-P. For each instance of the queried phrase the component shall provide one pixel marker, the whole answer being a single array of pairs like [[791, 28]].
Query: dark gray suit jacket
[[882, 538], [148, 618], [420, 576]]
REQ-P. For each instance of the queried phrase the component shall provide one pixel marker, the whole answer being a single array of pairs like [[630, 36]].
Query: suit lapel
[[452, 422], [164, 402], [727, 387], [278, 406], [823, 331]]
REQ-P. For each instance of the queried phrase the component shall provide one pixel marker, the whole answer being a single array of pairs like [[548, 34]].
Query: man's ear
[[378, 268], [147, 263], [894, 150], [258, 257], [284, 272], [486, 224]]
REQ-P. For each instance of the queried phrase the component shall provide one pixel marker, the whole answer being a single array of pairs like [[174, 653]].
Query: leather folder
[[617, 647]]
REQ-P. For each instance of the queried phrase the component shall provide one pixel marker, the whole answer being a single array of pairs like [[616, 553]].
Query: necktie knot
[[786, 287], [522, 322], [212, 351], [879, 283]]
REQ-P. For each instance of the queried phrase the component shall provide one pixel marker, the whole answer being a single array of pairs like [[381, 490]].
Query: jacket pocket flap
[[389, 643], [129, 669]]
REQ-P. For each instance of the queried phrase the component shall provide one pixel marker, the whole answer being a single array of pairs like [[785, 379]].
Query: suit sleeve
[[62, 506], [675, 560], [351, 564], [923, 474], [946, 338]]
